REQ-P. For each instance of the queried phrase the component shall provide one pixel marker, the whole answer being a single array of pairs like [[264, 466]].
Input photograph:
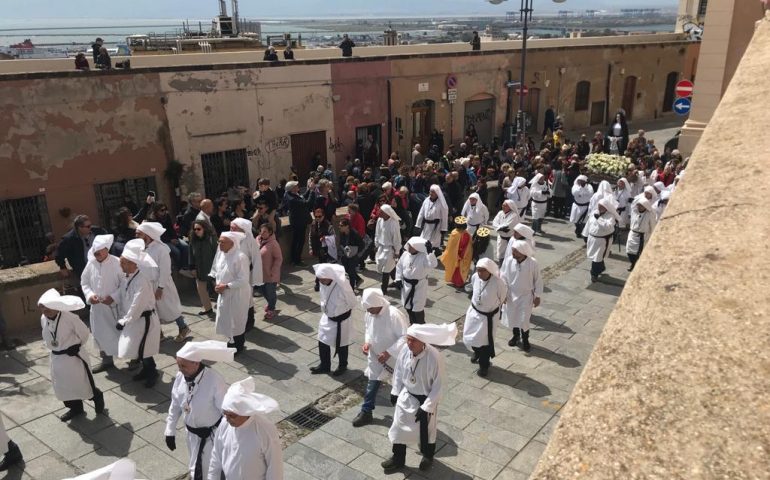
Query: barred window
[[24, 223], [582, 96]]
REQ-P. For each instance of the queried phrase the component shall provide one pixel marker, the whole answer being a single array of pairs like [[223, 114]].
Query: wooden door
[[421, 127], [629, 97], [304, 147], [532, 102]]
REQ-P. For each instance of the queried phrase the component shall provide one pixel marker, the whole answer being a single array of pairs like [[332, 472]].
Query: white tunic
[[582, 197], [432, 210], [103, 280], [520, 197], [524, 285], [201, 406], [477, 215], [501, 222], [640, 223], [539, 194], [250, 248], [637, 187], [336, 299], [387, 240], [69, 375], [137, 296], [385, 332], [428, 371], [415, 267], [488, 296], [249, 452], [232, 269], [168, 307], [623, 199], [598, 230]]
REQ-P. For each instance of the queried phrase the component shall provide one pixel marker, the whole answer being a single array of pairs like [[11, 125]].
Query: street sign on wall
[[684, 88], [682, 106]]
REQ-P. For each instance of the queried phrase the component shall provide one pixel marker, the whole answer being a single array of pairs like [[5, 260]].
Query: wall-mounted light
[[336, 98]]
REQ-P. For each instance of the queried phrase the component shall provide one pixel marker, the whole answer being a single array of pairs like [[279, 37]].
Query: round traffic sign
[[682, 106], [451, 81], [684, 88], [519, 89]]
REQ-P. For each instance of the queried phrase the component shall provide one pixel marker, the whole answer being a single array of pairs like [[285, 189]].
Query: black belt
[[540, 201], [85, 365], [410, 296], [203, 433], [581, 204], [523, 211], [581, 219], [338, 320], [474, 226], [147, 314], [423, 425], [621, 210], [432, 222], [490, 321], [607, 238]]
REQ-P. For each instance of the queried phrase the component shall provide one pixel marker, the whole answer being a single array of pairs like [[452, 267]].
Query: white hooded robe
[[69, 374], [103, 280], [136, 296], [524, 285]]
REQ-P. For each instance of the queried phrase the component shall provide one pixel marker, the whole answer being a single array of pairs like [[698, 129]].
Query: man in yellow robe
[[458, 254]]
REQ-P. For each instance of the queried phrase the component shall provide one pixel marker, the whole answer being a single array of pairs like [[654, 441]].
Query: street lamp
[[525, 15]]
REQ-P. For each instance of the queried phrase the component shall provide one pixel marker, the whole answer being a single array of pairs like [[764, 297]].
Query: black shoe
[[482, 372], [316, 287], [152, 377], [474, 358], [426, 463], [363, 418], [103, 367], [525, 341], [515, 339], [99, 401], [12, 457], [594, 278], [317, 370], [391, 465], [141, 375], [340, 370], [207, 313], [70, 414], [630, 268]]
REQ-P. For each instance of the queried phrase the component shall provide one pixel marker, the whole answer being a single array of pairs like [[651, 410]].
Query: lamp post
[[525, 16]]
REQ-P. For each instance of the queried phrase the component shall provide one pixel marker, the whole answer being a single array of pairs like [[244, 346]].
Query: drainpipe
[[607, 94], [508, 128], [390, 123]]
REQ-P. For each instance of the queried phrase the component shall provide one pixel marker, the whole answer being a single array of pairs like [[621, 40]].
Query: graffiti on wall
[[336, 146], [277, 143], [257, 157], [478, 117]]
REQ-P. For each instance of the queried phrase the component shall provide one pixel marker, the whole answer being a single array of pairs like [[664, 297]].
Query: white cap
[[331, 271], [211, 350], [522, 246], [418, 243], [243, 224], [444, 334], [152, 229], [488, 265], [390, 212], [524, 230], [123, 469], [373, 298], [241, 399], [134, 252], [62, 303], [536, 178], [100, 242]]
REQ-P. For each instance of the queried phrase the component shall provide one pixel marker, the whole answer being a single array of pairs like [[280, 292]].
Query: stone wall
[[677, 385]]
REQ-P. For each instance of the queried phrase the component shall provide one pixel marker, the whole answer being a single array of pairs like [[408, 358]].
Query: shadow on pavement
[[519, 381], [549, 325], [559, 358]]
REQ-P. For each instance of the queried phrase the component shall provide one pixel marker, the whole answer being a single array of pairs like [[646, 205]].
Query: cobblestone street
[[493, 428]]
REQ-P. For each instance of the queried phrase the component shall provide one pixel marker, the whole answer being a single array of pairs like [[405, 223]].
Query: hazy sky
[[256, 9]]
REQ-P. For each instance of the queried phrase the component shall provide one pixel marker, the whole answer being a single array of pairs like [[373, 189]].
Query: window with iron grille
[[582, 96], [222, 170], [702, 8], [111, 197], [24, 223]]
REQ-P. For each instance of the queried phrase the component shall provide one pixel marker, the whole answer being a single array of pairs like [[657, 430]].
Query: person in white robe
[[623, 200], [582, 192], [661, 204], [521, 232], [138, 322], [197, 395], [100, 283], [123, 469], [387, 241], [418, 381], [385, 335], [636, 180], [539, 191], [600, 231], [433, 219], [334, 328], [476, 212], [521, 273], [246, 446], [648, 193], [250, 248], [604, 190], [503, 223], [412, 271], [489, 294], [519, 193], [166, 296], [643, 221], [10, 452], [232, 285], [65, 336]]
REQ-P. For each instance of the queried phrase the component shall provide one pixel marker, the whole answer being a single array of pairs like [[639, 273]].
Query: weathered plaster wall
[[62, 136], [253, 109]]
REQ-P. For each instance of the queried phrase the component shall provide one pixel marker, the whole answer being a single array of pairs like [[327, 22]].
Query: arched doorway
[[422, 123], [668, 97], [480, 113], [629, 96], [532, 107]]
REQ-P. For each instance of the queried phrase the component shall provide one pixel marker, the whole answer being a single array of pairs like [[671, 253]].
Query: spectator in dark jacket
[[74, 245], [266, 195], [188, 217], [103, 61], [350, 250], [95, 47], [347, 46], [299, 217]]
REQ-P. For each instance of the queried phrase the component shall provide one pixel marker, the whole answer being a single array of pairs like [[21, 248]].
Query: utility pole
[[525, 15]]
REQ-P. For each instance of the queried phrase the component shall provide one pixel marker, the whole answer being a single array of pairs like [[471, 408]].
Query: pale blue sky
[[256, 9]]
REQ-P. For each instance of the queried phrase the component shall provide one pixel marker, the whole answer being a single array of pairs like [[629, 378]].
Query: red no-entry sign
[[519, 90], [684, 88]]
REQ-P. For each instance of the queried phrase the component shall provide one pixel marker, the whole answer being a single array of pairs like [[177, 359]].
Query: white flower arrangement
[[606, 164]]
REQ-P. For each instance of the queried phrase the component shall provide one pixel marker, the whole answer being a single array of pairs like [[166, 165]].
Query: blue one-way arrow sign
[[682, 106]]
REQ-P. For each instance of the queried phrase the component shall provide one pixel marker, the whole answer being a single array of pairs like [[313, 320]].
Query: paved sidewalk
[[493, 428]]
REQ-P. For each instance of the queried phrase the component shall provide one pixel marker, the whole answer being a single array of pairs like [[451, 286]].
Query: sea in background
[[80, 33]]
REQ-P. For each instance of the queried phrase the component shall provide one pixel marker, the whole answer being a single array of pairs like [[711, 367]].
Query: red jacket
[[358, 224]]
